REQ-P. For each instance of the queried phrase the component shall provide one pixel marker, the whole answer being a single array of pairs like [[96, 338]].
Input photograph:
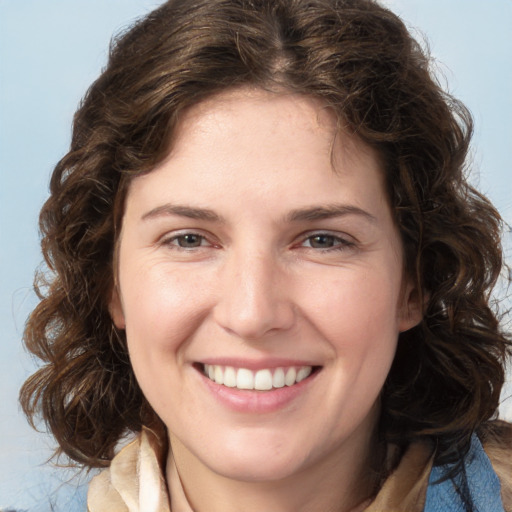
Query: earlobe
[[116, 309], [411, 313]]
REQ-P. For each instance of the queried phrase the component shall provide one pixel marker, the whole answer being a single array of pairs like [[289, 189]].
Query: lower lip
[[251, 401]]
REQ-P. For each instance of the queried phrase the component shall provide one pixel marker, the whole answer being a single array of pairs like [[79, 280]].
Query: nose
[[255, 299]]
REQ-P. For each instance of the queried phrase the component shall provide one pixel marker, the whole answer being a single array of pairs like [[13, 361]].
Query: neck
[[341, 482]]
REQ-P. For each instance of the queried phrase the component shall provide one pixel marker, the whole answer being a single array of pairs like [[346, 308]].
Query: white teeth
[[244, 379], [261, 380], [230, 377], [291, 375], [303, 373], [218, 375], [278, 378]]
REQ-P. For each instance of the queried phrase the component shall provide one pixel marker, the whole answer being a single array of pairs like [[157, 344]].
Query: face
[[261, 288]]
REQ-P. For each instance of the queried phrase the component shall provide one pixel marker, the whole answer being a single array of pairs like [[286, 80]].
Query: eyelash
[[339, 243], [176, 238]]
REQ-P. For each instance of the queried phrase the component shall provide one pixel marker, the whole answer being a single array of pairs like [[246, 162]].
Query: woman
[[267, 263]]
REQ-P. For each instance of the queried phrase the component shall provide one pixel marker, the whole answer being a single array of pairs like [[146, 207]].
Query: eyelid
[[345, 240], [170, 237]]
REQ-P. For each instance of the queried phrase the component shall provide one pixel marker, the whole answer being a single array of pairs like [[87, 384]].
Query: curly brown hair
[[358, 58]]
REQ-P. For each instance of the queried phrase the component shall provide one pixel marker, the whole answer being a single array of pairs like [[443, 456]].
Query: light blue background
[[51, 50]]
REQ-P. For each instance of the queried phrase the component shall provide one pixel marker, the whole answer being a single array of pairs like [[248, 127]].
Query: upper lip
[[256, 364]]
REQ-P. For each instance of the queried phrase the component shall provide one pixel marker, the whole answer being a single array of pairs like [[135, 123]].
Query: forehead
[[300, 117], [258, 143], [312, 111]]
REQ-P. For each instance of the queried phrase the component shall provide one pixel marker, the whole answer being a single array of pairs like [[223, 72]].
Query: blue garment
[[482, 482]]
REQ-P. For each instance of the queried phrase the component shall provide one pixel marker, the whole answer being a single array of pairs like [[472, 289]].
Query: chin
[[258, 461], [258, 469]]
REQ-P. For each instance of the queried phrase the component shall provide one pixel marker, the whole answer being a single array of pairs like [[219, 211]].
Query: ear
[[411, 308], [115, 308]]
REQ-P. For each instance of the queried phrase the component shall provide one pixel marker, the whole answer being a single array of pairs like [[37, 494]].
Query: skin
[[256, 282]]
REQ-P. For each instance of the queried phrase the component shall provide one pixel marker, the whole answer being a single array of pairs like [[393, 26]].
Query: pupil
[[322, 241], [190, 241]]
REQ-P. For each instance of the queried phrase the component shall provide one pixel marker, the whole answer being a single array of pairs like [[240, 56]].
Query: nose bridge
[[254, 299]]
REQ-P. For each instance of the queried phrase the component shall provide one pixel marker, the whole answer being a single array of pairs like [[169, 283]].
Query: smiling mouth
[[265, 379]]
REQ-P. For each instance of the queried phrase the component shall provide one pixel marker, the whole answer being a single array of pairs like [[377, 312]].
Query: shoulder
[[496, 437], [482, 478]]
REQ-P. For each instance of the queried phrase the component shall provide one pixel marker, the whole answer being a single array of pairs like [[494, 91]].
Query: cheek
[[359, 307], [162, 309], [357, 316]]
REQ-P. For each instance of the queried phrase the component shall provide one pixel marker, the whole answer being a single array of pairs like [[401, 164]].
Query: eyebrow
[[327, 212], [310, 214], [184, 211]]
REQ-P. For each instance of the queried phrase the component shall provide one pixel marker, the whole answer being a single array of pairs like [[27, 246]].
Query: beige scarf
[[135, 482]]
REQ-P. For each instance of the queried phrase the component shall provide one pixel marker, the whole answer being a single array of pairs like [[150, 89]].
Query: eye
[[321, 241], [327, 241], [187, 241]]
